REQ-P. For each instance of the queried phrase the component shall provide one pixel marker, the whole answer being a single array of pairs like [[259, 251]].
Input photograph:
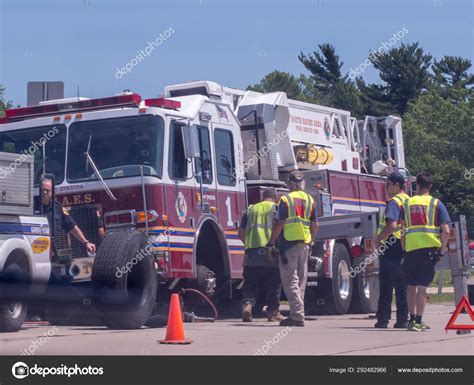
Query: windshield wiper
[[90, 161]]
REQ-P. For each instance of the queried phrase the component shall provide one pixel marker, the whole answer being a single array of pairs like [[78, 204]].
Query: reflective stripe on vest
[[259, 224], [400, 200], [421, 231], [297, 228]]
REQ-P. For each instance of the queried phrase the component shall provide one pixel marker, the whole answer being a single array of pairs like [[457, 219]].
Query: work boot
[[247, 312], [401, 325], [381, 324], [274, 316], [291, 322]]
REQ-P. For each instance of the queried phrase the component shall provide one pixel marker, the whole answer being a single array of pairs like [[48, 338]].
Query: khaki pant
[[293, 278]]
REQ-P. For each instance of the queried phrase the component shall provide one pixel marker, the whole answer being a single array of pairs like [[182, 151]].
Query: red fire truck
[[169, 178]]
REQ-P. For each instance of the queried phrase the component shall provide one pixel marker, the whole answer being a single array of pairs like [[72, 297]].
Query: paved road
[[333, 335]]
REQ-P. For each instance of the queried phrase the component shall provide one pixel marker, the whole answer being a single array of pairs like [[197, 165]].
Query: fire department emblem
[[181, 207]]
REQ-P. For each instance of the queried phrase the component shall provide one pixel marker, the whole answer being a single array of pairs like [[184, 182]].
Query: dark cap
[[296, 176], [396, 177]]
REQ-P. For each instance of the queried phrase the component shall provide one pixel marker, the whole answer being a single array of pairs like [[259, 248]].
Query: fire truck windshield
[[45, 142], [118, 147]]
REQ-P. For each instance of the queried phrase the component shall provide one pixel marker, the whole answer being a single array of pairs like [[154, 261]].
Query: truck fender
[[39, 267]]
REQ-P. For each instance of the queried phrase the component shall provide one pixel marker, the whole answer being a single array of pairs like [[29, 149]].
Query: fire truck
[[160, 186]]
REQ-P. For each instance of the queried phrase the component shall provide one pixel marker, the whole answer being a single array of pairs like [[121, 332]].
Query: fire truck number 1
[[229, 212]]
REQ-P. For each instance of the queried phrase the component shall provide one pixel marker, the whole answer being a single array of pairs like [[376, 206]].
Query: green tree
[[4, 104], [451, 77], [325, 67], [405, 71], [438, 136], [331, 87], [277, 81]]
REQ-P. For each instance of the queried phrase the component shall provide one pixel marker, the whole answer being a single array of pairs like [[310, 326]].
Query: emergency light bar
[[91, 104], [164, 103]]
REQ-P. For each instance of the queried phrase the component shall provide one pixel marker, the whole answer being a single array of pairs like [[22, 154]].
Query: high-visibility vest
[[399, 199], [297, 227], [421, 231], [259, 224]]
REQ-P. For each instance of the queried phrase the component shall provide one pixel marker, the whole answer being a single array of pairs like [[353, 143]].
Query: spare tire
[[124, 279]]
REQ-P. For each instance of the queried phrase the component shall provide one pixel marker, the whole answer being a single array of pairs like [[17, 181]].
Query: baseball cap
[[396, 177], [296, 176]]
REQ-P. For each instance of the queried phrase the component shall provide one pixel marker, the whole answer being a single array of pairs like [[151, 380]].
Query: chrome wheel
[[344, 279]]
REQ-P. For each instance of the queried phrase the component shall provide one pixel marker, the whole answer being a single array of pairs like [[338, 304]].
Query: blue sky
[[83, 42]]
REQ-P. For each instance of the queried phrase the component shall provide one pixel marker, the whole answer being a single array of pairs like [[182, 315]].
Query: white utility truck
[[24, 241]]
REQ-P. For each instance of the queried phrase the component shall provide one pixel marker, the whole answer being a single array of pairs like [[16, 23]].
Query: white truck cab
[[24, 241]]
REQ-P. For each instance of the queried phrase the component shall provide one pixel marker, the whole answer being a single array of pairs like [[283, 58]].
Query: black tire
[[13, 312], [361, 294], [124, 280], [328, 297]]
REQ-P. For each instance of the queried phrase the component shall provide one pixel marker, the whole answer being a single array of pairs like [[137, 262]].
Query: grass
[[447, 279], [436, 298], [441, 298]]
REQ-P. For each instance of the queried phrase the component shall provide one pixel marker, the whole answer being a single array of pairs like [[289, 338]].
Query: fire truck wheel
[[124, 279], [361, 295], [12, 313], [334, 295]]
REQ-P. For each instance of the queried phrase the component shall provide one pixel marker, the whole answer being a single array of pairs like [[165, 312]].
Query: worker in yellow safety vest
[[388, 244], [295, 230], [425, 239], [261, 273]]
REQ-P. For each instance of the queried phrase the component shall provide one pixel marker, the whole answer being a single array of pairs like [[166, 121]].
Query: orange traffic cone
[[175, 328]]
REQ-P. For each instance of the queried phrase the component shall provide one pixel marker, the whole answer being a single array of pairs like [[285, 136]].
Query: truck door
[[230, 193]]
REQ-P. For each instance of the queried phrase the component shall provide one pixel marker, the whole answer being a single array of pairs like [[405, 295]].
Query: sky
[[86, 43]]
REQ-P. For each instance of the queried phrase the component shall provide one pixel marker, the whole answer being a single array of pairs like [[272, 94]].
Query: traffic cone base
[[175, 328], [186, 341]]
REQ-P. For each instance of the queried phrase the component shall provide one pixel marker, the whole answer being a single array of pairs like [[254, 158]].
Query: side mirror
[[191, 141]]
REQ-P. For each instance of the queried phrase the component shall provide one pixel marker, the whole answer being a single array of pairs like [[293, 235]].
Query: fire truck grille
[[87, 220]]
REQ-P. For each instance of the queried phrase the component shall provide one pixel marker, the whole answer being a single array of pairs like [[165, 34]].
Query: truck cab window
[[31, 141], [178, 167], [204, 164], [225, 163]]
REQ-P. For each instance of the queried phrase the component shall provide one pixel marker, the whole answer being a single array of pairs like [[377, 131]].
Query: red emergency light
[[164, 103], [91, 104]]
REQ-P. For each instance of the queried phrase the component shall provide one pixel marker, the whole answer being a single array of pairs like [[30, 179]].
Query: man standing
[[260, 264], [62, 218], [297, 220], [423, 216], [391, 275]]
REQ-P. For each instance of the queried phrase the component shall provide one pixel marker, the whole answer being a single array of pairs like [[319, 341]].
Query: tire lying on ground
[[12, 313], [124, 279]]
